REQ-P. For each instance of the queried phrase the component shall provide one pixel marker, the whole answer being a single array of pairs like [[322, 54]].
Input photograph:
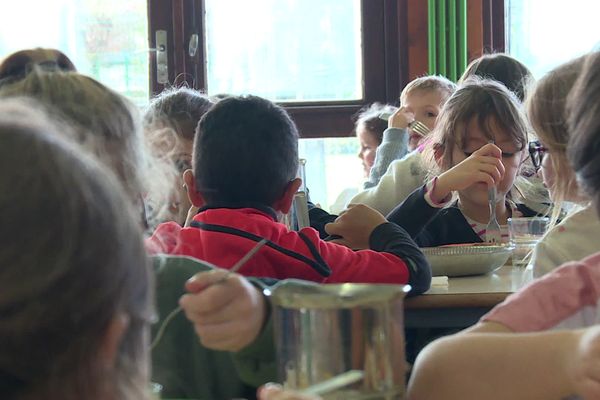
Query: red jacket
[[222, 236]]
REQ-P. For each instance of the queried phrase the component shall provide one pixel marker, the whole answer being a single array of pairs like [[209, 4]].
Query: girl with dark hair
[[502, 352]]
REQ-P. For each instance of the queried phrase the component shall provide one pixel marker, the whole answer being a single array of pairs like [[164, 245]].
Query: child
[[369, 130], [103, 122], [577, 235], [478, 113], [245, 168], [529, 189], [422, 100], [543, 365], [170, 124], [564, 362], [409, 173], [75, 303]]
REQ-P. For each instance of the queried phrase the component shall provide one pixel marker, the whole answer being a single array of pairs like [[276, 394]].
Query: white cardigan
[[576, 237], [401, 179]]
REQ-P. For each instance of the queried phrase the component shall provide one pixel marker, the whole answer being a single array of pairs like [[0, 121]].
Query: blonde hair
[[432, 83], [104, 123], [72, 261], [483, 100], [584, 126], [170, 121], [547, 112], [178, 109]]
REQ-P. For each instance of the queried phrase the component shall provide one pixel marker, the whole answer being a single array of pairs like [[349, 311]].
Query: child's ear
[[190, 186], [285, 202], [112, 339]]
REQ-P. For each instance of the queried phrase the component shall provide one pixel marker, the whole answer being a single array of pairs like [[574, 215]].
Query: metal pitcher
[[324, 330]]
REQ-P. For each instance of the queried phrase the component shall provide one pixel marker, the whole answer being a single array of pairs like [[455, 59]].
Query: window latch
[[162, 59], [193, 46]]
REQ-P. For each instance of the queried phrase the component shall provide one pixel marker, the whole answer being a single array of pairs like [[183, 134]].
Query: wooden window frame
[[394, 52]]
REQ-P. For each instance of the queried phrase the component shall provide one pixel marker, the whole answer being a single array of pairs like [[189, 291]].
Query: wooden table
[[465, 299]]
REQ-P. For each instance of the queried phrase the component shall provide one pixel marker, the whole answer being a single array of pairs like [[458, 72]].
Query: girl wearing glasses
[[479, 143], [577, 235], [538, 349]]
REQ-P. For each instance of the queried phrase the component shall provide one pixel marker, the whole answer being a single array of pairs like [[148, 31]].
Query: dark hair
[[502, 68], [72, 261], [17, 65], [368, 116], [246, 151], [584, 123]]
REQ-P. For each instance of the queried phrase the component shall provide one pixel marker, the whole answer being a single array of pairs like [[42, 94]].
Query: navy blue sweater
[[430, 226]]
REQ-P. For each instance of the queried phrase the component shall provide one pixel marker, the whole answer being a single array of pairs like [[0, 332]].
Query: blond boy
[[399, 153]]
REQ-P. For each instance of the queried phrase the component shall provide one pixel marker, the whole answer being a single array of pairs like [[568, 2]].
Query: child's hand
[[226, 316], [272, 391], [355, 225], [585, 365], [190, 215], [401, 118], [484, 165]]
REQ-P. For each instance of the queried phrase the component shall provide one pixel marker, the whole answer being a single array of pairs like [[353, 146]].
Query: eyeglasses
[[537, 152]]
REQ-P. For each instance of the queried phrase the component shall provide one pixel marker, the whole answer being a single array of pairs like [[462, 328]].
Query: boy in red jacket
[[244, 177]]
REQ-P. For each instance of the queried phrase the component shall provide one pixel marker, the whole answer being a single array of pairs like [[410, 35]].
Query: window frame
[[394, 52]]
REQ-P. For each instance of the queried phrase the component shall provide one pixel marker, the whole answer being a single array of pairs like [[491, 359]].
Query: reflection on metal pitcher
[[325, 330]]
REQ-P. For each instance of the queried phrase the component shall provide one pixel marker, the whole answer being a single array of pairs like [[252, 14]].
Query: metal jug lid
[[295, 294]]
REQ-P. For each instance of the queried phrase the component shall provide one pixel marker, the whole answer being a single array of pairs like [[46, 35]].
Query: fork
[[492, 231], [419, 127], [232, 270], [415, 125]]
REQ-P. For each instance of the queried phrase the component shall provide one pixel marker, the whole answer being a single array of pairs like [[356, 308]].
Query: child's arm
[[417, 211], [562, 298], [549, 365], [402, 177], [214, 308], [233, 316], [484, 165], [362, 227], [319, 218], [393, 147]]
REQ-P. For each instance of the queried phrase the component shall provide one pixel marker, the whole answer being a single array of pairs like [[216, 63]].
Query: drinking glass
[[524, 235]]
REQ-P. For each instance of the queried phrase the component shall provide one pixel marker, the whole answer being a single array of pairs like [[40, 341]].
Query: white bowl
[[466, 260]]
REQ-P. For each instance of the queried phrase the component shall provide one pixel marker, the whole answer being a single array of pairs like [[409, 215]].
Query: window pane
[[334, 172], [107, 39], [285, 50], [545, 33]]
